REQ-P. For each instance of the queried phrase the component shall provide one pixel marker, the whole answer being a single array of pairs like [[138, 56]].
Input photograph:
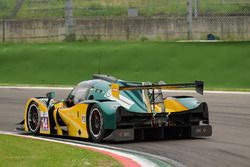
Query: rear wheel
[[33, 118], [95, 124]]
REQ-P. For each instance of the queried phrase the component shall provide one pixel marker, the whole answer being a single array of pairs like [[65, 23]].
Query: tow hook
[[154, 124]]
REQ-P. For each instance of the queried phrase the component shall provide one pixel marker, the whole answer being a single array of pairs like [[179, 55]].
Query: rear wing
[[198, 85]]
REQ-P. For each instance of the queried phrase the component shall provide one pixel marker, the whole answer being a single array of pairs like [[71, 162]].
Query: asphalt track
[[229, 116]]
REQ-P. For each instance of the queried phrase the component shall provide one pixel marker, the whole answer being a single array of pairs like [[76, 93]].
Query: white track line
[[69, 88], [209, 92], [36, 87]]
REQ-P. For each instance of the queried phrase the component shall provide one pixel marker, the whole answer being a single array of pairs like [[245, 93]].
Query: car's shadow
[[79, 140]]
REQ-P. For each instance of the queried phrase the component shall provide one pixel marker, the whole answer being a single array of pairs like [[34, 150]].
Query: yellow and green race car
[[106, 108]]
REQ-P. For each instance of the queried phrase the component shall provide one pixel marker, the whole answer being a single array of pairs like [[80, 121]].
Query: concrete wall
[[138, 28], [226, 28], [131, 28], [34, 30]]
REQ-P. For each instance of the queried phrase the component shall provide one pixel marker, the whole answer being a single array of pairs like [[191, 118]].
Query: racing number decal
[[44, 121], [44, 124]]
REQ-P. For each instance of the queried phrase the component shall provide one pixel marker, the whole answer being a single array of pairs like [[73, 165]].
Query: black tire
[[33, 118], [95, 126]]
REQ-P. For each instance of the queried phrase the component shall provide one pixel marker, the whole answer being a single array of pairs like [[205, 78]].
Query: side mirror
[[51, 95]]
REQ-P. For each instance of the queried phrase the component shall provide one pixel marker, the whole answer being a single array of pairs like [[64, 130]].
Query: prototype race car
[[106, 108]]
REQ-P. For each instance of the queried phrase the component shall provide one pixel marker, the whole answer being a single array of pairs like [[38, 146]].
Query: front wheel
[[95, 124], [33, 118]]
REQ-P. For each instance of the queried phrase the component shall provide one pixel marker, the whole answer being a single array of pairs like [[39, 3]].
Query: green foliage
[[5, 7], [3, 4], [16, 151], [220, 65], [86, 8]]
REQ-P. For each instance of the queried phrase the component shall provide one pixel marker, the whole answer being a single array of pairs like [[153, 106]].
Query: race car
[[107, 108]]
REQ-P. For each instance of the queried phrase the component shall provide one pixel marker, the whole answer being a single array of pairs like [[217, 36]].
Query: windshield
[[80, 92]]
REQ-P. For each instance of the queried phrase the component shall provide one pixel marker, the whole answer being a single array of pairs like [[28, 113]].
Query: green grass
[[6, 6], [220, 65], [16, 151], [55, 8]]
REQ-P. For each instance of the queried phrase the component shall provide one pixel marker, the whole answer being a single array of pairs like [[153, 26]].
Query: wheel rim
[[95, 122], [33, 118]]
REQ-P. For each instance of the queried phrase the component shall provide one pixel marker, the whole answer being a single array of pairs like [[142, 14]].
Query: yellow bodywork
[[74, 118], [42, 108], [171, 105]]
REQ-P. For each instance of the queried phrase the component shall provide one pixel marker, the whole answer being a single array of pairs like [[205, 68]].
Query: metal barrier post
[[69, 21], [189, 19], [196, 8]]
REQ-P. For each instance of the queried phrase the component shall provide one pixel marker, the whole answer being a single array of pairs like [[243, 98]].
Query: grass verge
[[221, 65], [16, 151]]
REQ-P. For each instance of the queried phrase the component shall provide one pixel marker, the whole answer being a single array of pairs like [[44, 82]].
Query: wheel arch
[[26, 128], [41, 106], [108, 109]]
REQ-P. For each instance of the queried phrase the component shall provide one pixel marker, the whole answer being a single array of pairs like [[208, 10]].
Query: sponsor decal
[[44, 126], [83, 119], [115, 90], [123, 101], [198, 130], [108, 94], [124, 134]]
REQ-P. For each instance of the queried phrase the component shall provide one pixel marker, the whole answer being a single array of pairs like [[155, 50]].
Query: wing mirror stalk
[[50, 96]]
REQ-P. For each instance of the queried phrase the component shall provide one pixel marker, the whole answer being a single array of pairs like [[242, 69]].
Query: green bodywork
[[100, 93], [108, 109]]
